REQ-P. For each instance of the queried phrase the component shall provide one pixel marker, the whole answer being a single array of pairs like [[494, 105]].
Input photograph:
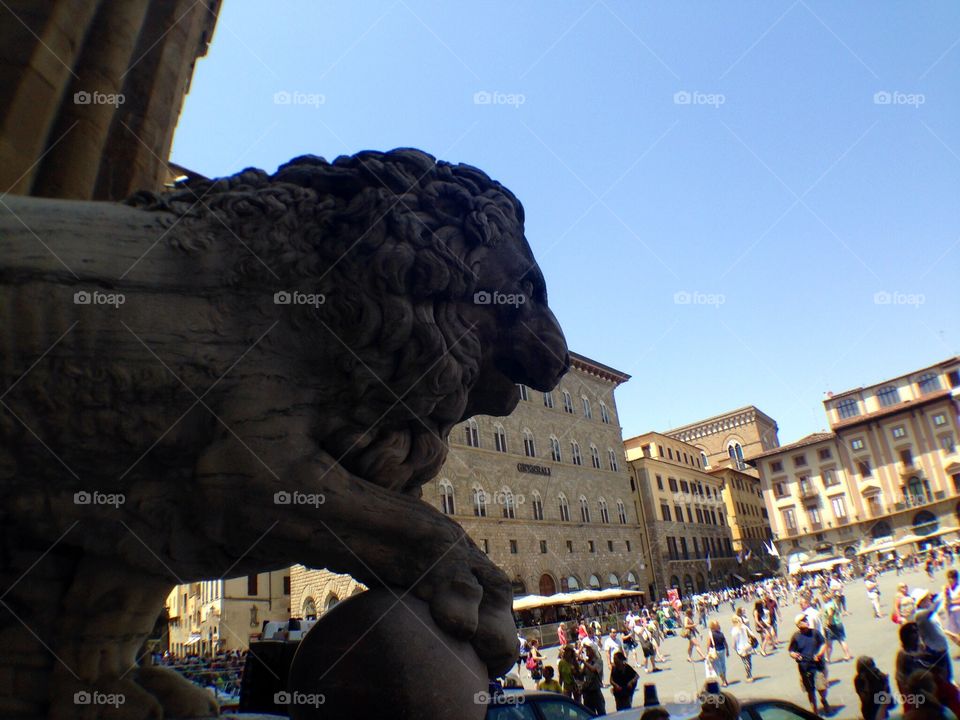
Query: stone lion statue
[[239, 375]]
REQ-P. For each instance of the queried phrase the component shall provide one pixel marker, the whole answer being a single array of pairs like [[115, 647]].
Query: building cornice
[[597, 369], [719, 424]]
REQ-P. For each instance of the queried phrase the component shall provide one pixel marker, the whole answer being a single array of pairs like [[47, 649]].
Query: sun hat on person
[[800, 618]]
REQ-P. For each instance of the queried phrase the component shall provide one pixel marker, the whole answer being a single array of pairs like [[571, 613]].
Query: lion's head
[[434, 308]]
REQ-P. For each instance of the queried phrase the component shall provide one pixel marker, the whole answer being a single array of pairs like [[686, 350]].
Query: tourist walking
[[690, 632], [873, 592], [764, 631], [807, 647], [833, 628], [951, 598], [592, 689], [623, 682], [743, 644], [717, 653], [570, 673]]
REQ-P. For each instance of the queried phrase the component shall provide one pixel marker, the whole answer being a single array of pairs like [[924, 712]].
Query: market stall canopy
[[884, 545], [814, 565], [530, 602]]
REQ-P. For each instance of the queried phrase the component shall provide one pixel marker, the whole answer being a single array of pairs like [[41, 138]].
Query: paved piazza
[[776, 675]]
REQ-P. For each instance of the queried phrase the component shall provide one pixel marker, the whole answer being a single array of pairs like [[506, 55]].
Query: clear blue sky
[[783, 188]]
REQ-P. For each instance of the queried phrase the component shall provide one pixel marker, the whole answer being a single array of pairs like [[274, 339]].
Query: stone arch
[[594, 582], [881, 529], [613, 581], [572, 583], [547, 584], [675, 582], [925, 522], [309, 608], [331, 602], [688, 584], [701, 585]]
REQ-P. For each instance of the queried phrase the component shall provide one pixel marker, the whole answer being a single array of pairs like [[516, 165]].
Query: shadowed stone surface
[[242, 375], [387, 658]]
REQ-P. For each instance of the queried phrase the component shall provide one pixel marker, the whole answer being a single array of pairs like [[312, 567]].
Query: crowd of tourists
[[748, 621], [220, 673]]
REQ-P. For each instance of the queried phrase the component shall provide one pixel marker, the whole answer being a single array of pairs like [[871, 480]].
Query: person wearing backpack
[[833, 626]]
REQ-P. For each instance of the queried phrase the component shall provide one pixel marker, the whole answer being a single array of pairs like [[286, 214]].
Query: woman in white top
[[740, 638]]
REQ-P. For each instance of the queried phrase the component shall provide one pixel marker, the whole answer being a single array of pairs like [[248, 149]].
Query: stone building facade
[[684, 515], [546, 491], [888, 468], [218, 615], [729, 438], [314, 592]]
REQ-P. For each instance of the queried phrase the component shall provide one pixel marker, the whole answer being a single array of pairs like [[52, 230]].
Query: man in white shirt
[[612, 645]]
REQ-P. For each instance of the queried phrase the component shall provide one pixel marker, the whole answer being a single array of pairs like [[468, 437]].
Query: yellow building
[[684, 515], [746, 512], [217, 615], [888, 468]]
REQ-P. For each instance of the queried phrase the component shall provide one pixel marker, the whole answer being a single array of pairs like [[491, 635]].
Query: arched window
[[567, 403], [447, 503], [928, 382], [848, 408], [555, 449], [573, 583], [479, 502], [537, 506], [688, 584], [577, 459], [548, 399], [564, 508], [509, 504], [888, 395], [621, 512], [584, 509], [499, 438], [332, 602], [674, 582], [925, 522], [529, 446], [612, 459], [604, 412], [587, 410], [736, 454], [309, 609], [703, 460], [594, 456], [594, 582], [523, 392], [604, 512], [472, 433]]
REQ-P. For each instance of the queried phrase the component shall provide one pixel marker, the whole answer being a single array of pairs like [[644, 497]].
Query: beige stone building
[[888, 467], [545, 492], [217, 615], [746, 510], [314, 592], [729, 438], [684, 515]]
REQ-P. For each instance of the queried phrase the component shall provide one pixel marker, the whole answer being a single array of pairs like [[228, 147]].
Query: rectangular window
[[678, 511], [906, 457], [591, 546], [799, 460], [684, 486], [684, 552], [659, 483], [569, 546], [699, 515], [670, 453], [848, 408], [513, 547], [864, 467], [543, 547], [548, 400], [628, 545], [829, 478], [672, 482], [888, 396], [252, 584], [939, 419], [856, 444], [839, 507], [486, 546], [946, 442], [523, 392], [286, 584], [779, 490], [789, 519], [696, 549], [665, 512], [610, 545], [672, 548], [898, 432], [814, 513], [825, 454], [776, 466]]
